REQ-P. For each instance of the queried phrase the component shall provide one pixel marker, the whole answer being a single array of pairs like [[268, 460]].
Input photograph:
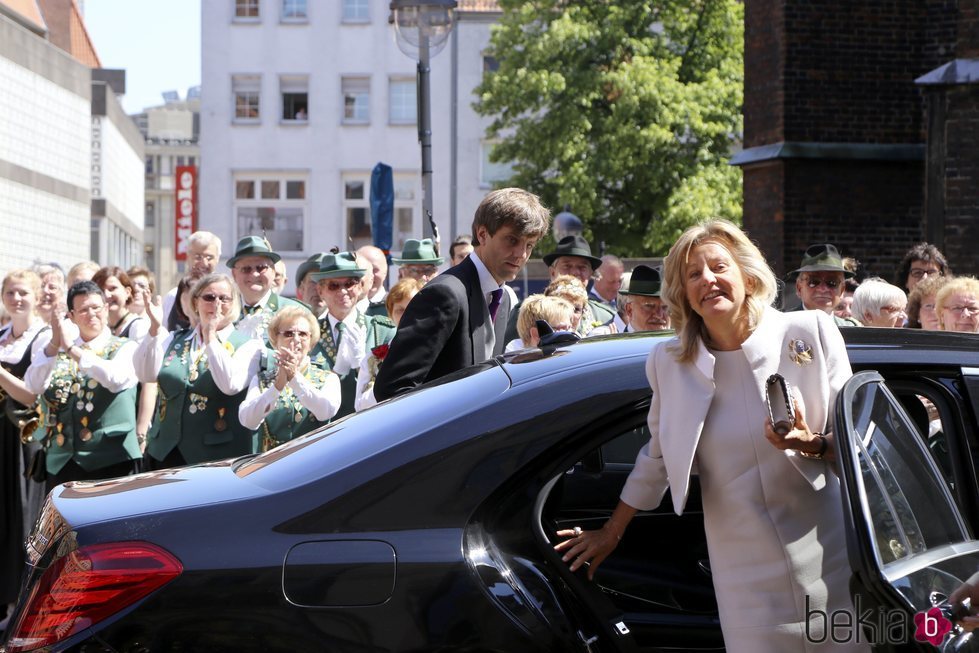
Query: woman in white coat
[[772, 508]]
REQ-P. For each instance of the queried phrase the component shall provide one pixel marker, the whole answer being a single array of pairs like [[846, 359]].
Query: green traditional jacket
[[84, 421], [289, 418], [599, 314], [192, 414], [274, 304], [379, 331]]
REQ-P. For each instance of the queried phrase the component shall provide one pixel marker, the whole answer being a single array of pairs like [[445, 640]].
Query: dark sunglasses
[[815, 282], [210, 298], [302, 335], [260, 268], [334, 286]]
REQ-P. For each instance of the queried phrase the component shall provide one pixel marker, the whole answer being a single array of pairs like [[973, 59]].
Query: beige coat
[[682, 395]]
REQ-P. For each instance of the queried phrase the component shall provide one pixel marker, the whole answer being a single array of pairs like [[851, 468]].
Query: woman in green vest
[[202, 375], [290, 395]]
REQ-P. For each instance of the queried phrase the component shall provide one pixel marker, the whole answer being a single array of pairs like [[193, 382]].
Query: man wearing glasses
[[253, 268], [203, 252], [88, 385], [346, 334], [819, 281], [644, 308]]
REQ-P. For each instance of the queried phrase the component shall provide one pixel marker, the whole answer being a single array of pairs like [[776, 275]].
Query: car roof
[[866, 347]]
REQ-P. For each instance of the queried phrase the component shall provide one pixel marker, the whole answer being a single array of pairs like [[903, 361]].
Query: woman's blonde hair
[[540, 307], [958, 284], [289, 314], [30, 278], [206, 281], [759, 281]]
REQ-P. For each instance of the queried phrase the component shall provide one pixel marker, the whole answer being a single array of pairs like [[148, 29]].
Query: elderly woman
[[20, 497], [396, 302], [877, 303], [290, 396], [957, 305], [921, 303], [202, 375], [772, 505], [570, 288]]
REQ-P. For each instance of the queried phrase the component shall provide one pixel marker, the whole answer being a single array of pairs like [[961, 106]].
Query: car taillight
[[87, 585]]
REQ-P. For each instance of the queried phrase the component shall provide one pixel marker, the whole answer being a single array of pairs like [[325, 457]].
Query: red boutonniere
[[380, 352]]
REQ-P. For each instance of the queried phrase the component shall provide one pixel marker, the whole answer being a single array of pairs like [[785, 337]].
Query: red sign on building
[[186, 203]]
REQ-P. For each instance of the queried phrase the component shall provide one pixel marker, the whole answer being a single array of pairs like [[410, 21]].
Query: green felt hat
[[338, 266], [312, 264], [821, 258], [253, 246], [645, 281], [418, 251], [572, 246]]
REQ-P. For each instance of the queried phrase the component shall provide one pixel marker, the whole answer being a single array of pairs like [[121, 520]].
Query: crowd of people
[[103, 377]]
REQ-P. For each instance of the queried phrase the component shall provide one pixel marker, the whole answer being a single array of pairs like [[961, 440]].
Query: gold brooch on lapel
[[800, 352]]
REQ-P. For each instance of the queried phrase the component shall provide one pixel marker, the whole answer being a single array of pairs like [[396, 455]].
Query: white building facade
[[300, 100], [45, 156]]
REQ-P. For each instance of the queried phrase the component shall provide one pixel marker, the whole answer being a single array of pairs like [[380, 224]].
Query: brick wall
[[962, 178]]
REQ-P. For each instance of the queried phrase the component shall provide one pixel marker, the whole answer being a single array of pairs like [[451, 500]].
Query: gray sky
[[157, 43]]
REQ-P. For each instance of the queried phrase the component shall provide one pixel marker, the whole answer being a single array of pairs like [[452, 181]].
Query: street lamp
[[566, 224], [422, 28]]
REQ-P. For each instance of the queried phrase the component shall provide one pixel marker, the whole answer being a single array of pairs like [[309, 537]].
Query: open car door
[[908, 544]]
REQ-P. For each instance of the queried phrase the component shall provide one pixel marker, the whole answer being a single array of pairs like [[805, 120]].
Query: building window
[[246, 9], [356, 100], [149, 164], [402, 101], [279, 211], [294, 11], [489, 172], [247, 93], [295, 97], [356, 11], [490, 64], [357, 211], [149, 218]]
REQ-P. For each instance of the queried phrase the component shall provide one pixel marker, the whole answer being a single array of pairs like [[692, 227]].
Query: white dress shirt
[[115, 374], [323, 402]]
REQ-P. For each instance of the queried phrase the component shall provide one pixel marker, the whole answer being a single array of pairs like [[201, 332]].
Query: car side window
[[622, 450], [909, 511]]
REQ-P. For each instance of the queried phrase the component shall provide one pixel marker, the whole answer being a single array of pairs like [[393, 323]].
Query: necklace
[[122, 319]]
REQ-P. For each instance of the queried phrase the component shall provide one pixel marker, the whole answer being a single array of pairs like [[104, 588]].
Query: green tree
[[625, 110]]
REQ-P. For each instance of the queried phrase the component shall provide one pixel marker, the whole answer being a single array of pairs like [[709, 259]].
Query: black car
[[427, 523]]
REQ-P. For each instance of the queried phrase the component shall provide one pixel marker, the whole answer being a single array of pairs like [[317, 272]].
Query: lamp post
[[422, 28], [566, 224]]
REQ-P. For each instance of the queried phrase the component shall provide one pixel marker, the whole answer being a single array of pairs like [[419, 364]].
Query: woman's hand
[[800, 438], [583, 547], [154, 310]]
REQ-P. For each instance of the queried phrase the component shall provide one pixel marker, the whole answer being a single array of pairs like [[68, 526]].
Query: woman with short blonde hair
[[290, 395], [957, 305]]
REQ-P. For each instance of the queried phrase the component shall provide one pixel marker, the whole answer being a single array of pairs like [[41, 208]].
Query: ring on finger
[[577, 531]]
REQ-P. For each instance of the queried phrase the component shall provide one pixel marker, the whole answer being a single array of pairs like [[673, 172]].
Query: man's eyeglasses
[[651, 307], [302, 335], [815, 282], [346, 284], [918, 273], [210, 298], [417, 271], [257, 269]]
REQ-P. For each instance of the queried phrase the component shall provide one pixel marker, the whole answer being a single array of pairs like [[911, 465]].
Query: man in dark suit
[[459, 317]]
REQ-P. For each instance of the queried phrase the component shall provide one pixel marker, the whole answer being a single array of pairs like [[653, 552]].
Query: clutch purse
[[781, 408]]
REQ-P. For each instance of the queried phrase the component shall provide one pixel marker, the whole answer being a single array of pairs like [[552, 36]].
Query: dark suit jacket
[[440, 332]]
